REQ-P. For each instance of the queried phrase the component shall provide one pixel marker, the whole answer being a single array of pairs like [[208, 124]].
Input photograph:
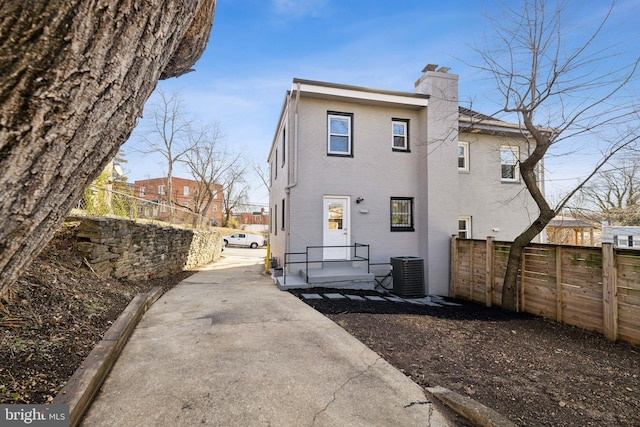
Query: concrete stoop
[[335, 278]]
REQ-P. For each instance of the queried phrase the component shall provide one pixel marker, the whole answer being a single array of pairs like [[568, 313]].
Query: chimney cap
[[430, 67], [443, 69]]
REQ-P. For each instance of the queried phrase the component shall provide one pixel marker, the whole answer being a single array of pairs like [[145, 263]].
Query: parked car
[[244, 239]]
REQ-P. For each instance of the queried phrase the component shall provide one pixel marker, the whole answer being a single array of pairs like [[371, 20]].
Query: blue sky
[[258, 46]]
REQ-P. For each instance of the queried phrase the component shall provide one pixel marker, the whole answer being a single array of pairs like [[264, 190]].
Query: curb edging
[[471, 410], [85, 382]]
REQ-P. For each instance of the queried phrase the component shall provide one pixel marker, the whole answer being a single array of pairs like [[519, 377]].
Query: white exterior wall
[[280, 177], [374, 173], [497, 208]]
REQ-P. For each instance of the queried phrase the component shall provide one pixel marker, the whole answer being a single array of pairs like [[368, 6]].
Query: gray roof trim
[[360, 88]]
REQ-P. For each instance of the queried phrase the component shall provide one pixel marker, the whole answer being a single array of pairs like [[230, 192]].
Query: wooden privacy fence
[[589, 287]]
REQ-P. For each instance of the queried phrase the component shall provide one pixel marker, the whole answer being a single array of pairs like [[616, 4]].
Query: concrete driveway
[[226, 348]]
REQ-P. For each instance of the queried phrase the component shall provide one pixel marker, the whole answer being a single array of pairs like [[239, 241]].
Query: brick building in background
[[185, 196], [255, 218]]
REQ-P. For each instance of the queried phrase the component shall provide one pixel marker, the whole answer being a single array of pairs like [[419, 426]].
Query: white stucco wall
[[497, 208]]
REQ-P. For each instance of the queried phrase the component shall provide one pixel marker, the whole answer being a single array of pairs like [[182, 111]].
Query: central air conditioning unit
[[408, 276]]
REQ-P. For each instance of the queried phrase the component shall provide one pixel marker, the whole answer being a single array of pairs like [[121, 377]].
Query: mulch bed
[[533, 371]]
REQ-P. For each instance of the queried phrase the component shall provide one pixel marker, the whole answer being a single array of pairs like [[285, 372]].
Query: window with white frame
[[402, 214], [340, 138], [185, 190], [400, 134], [464, 227], [509, 163], [463, 156], [141, 192], [161, 190], [163, 206]]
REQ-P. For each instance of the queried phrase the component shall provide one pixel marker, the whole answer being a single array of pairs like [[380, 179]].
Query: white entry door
[[336, 227]]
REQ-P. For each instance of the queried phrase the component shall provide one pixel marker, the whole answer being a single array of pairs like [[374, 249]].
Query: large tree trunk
[[74, 77]]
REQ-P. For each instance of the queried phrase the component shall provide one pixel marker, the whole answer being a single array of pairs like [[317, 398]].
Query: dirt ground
[[55, 315], [533, 371]]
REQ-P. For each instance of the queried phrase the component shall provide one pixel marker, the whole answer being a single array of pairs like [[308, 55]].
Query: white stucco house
[[396, 172]]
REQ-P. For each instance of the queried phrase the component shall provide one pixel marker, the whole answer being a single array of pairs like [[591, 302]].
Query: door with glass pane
[[336, 227]]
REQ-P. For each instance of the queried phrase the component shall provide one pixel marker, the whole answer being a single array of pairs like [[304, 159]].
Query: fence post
[[558, 283], [472, 279], [522, 281], [489, 273], [609, 292], [453, 286]]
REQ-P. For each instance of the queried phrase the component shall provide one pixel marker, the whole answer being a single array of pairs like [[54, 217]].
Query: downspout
[[294, 172], [294, 158]]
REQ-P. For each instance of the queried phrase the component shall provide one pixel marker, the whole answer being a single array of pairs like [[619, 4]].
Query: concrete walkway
[[227, 348]]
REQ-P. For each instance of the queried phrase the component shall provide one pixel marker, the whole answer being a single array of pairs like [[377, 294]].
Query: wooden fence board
[[567, 283]]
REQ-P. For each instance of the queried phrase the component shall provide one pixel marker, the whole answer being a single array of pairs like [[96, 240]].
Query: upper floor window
[[509, 163], [185, 190], [340, 138], [142, 189], [464, 227], [402, 214], [161, 190], [400, 131], [463, 156]]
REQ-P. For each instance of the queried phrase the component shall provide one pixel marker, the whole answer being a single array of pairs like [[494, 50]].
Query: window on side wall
[[402, 214], [509, 163], [340, 135], [141, 192], [284, 145], [282, 216], [185, 190], [400, 134], [463, 156], [464, 227]]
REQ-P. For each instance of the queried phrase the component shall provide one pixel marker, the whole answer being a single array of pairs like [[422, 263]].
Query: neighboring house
[[401, 172], [254, 218], [564, 230], [255, 221], [626, 237], [186, 196]]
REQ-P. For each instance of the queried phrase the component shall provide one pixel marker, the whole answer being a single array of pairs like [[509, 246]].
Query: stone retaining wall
[[122, 248]]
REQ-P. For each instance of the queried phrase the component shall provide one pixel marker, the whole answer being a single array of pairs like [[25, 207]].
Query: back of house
[[364, 176]]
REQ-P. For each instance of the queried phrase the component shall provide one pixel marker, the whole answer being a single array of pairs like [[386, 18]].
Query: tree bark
[[74, 77]]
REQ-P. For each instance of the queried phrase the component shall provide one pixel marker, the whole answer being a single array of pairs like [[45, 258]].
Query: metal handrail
[[356, 258]]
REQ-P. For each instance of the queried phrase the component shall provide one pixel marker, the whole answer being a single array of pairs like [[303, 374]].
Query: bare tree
[[168, 134], [559, 92], [210, 164], [235, 192], [74, 76], [615, 193], [262, 171]]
